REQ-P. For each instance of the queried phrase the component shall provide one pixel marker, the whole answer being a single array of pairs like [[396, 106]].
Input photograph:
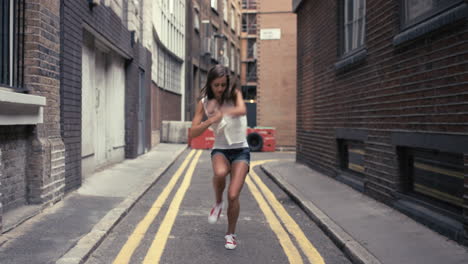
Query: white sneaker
[[215, 213], [231, 242]]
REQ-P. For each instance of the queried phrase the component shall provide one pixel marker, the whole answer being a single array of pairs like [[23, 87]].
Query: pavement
[[71, 229], [367, 231]]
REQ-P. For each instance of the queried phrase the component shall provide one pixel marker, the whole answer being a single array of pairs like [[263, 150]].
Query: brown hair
[[229, 95]]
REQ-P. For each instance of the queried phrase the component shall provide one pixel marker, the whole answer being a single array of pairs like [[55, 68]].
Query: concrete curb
[[88, 243], [352, 249]]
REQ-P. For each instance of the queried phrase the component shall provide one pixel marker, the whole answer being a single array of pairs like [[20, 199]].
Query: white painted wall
[[103, 106]]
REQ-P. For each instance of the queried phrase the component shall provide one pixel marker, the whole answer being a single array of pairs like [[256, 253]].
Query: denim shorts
[[234, 155]]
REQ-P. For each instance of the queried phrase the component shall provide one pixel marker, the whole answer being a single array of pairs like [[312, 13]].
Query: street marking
[[293, 228], [135, 238], [291, 251], [159, 243]]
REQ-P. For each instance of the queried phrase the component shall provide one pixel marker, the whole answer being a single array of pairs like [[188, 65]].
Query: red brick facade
[[404, 86]]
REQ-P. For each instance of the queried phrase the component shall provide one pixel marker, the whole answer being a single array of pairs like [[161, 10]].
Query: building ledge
[[351, 61], [445, 224], [21, 109]]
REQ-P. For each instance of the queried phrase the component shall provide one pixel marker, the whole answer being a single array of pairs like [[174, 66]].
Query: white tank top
[[230, 132]]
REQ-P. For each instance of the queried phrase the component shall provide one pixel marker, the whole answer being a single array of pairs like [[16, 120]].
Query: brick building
[[32, 165], [269, 66], [106, 76], [74, 80], [383, 103], [213, 37]]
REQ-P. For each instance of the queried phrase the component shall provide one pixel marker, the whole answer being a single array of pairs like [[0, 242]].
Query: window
[[238, 62], [225, 53], [196, 21], [252, 48], [233, 18], [352, 156], [214, 4], [233, 58], [354, 25], [249, 23], [434, 176], [225, 10], [249, 92], [11, 43], [416, 11], [249, 4], [251, 71], [214, 46]]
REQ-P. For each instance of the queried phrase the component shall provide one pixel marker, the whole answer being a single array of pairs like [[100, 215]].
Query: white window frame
[[225, 53], [233, 18], [233, 58], [354, 29], [214, 4], [238, 62], [214, 46], [196, 21], [225, 11]]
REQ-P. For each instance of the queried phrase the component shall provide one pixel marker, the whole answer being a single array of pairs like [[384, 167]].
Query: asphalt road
[[169, 224]]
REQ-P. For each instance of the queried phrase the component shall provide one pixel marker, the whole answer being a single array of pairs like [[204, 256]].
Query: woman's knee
[[221, 173], [233, 196]]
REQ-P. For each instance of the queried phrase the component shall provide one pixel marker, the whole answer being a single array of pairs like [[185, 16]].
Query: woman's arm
[[239, 109], [198, 127]]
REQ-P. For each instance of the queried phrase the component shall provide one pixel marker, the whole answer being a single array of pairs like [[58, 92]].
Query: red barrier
[[268, 135], [206, 139]]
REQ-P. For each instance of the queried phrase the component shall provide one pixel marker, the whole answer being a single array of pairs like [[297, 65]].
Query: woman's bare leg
[[221, 169], [238, 173]]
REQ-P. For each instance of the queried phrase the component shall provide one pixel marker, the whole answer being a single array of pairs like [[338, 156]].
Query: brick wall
[[276, 71], [45, 163], [103, 21], [167, 107], [418, 86], [13, 146]]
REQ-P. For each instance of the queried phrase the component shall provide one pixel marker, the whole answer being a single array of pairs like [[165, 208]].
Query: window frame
[[407, 156], [233, 18], [214, 5], [405, 24], [357, 44], [196, 21], [226, 11], [14, 59]]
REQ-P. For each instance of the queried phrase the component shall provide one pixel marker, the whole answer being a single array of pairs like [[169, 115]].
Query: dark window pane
[[350, 7], [417, 11]]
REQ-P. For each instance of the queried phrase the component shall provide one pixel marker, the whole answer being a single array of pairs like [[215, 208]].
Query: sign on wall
[[270, 33]]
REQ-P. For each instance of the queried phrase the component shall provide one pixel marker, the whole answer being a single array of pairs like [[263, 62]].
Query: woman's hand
[[216, 118], [239, 109]]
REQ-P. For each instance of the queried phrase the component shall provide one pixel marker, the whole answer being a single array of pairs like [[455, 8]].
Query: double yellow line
[[292, 227], [282, 226], [159, 242]]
